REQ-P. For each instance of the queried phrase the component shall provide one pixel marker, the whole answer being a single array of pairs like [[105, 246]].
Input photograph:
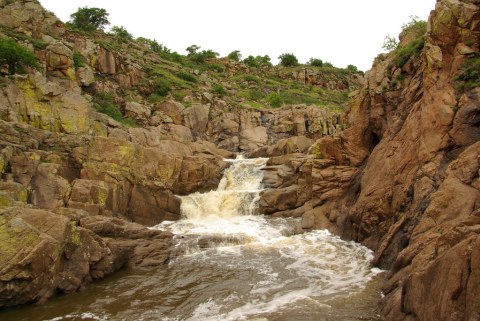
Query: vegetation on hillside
[[16, 57], [89, 19], [413, 32], [469, 75]]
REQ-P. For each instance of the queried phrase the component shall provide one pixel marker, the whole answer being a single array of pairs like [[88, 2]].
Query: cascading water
[[232, 264]]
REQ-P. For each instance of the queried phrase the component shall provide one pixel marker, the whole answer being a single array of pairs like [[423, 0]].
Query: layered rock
[[45, 253], [409, 164]]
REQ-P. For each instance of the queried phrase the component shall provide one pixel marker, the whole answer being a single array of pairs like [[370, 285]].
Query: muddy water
[[231, 264]]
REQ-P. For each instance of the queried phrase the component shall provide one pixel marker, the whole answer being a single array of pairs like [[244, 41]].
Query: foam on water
[[229, 263]]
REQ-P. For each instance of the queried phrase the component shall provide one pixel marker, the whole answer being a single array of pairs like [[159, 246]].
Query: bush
[[390, 43], [104, 103], [216, 67], [288, 60], [415, 29], [352, 69], [16, 56], [235, 55], [403, 54], [161, 87], [121, 32], [258, 61], [274, 100], [78, 60], [89, 19], [255, 94], [315, 62], [219, 90], [186, 76], [469, 75]]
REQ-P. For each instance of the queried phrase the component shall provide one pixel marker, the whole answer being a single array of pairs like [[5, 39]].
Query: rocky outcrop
[[403, 178], [44, 253]]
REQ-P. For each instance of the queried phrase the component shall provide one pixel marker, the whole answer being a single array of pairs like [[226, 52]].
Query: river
[[231, 264]]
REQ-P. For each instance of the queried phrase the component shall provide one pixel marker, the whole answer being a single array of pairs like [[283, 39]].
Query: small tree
[[235, 55], [390, 43], [315, 62], [288, 60], [274, 100], [121, 32], [89, 19], [16, 56], [192, 49], [352, 68], [250, 61]]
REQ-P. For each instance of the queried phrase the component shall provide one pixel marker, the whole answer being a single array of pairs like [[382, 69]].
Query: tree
[[288, 60], [89, 19], [315, 62], [235, 55], [390, 43], [258, 61], [16, 56], [121, 32], [192, 49], [352, 68]]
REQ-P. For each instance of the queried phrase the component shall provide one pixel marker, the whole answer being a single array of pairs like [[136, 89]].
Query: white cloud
[[342, 32]]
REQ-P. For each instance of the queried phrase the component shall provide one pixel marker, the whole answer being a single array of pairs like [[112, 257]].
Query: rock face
[[44, 253], [403, 178]]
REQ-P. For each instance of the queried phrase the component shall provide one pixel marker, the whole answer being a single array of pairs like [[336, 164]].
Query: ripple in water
[[233, 265]]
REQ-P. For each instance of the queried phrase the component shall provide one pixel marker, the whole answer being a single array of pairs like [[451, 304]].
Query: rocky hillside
[[403, 178], [106, 131]]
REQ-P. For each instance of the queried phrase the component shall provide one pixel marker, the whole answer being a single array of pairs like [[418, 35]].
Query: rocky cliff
[[91, 147], [403, 178]]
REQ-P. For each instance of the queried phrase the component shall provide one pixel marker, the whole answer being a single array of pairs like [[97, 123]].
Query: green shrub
[[415, 29], [16, 56], [390, 43], [251, 78], [219, 90], [255, 94], [121, 32], [469, 75], [288, 60], [104, 103], [352, 69], [89, 19], [403, 54], [235, 55], [315, 62], [216, 67], [258, 61], [187, 76], [161, 86], [78, 60], [274, 100]]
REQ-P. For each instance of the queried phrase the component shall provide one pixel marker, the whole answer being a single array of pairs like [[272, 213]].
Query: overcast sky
[[342, 32]]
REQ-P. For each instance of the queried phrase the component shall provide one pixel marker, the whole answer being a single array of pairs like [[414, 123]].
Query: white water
[[232, 264], [286, 270]]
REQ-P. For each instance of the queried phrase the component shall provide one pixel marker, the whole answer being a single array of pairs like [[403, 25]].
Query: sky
[[341, 32]]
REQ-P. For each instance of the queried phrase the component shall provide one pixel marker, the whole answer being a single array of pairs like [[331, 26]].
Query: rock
[[196, 118], [140, 113], [45, 253], [85, 76], [172, 109], [49, 190], [253, 138], [150, 206]]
